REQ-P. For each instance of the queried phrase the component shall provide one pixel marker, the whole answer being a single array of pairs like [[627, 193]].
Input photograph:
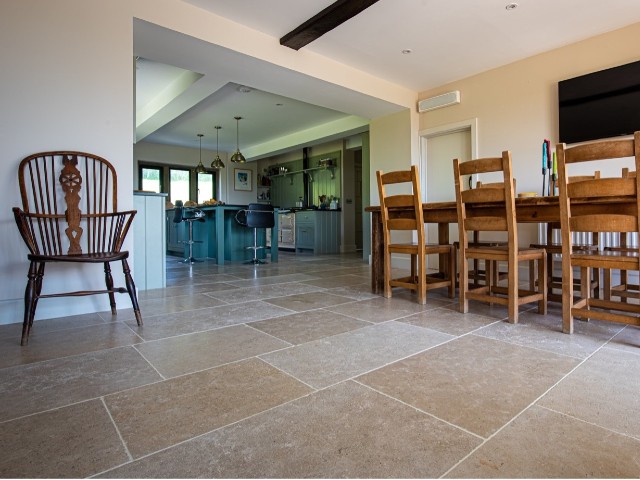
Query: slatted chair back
[[70, 204], [412, 199], [500, 218], [571, 193]]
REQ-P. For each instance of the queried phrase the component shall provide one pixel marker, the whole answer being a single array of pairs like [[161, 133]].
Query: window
[[205, 186], [151, 179], [179, 182], [179, 185]]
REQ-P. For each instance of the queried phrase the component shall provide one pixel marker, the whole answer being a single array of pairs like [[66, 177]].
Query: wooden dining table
[[528, 210]]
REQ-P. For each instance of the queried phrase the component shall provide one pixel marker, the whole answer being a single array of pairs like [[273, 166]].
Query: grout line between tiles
[[124, 444], [194, 438], [590, 423], [457, 427], [537, 399], [150, 364]]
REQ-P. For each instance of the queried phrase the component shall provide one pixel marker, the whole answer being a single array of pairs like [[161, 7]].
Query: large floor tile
[[163, 326], [336, 280], [160, 415], [448, 321], [545, 332], [64, 343], [383, 309], [327, 361], [628, 340], [476, 383], [26, 389], [73, 442], [309, 301], [40, 327], [263, 292], [604, 390], [545, 444], [308, 326], [276, 279], [346, 431], [197, 351]]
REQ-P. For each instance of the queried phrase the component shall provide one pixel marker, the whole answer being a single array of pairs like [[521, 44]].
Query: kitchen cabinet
[[317, 231], [149, 257], [175, 235]]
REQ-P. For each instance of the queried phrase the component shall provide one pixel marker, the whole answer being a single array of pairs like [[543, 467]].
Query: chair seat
[[410, 248], [557, 247], [501, 252], [625, 260], [83, 258]]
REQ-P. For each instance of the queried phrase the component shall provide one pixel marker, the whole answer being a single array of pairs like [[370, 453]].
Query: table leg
[[443, 239], [377, 254]]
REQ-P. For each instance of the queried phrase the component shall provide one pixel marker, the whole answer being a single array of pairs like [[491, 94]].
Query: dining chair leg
[[606, 274], [452, 271], [543, 277], [513, 290], [422, 279], [463, 302]]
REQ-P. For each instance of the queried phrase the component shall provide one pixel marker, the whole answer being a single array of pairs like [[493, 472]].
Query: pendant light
[[200, 167], [217, 162], [238, 157]]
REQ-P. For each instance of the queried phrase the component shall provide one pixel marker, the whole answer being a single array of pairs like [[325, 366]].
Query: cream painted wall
[[516, 105], [66, 84]]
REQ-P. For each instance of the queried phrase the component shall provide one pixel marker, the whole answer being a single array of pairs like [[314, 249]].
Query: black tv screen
[[600, 105]]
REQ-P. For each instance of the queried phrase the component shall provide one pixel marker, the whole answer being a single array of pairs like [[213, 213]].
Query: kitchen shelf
[[306, 170]]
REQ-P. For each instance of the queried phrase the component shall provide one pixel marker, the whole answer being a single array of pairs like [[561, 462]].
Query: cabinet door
[[305, 236]]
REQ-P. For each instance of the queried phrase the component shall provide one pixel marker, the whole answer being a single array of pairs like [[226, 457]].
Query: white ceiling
[[448, 39]]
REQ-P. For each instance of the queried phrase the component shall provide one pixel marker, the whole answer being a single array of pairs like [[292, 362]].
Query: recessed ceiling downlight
[[511, 6]]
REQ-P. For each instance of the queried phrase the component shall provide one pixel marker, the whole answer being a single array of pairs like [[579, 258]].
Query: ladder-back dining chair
[[418, 279], [574, 217], [70, 215], [553, 247], [492, 208]]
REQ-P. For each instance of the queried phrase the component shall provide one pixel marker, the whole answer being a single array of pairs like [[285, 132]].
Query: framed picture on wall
[[242, 179]]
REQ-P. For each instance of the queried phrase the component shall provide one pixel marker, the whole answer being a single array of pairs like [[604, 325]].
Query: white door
[[440, 147]]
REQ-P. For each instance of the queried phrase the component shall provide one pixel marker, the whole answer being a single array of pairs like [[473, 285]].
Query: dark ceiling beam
[[328, 19]]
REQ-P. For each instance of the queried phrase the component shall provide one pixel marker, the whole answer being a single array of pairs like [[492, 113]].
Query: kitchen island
[[223, 239]]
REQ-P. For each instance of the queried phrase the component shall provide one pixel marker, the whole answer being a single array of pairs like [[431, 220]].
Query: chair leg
[[131, 289], [108, 278], [452, 272], [31, 299], [513, 291], [544, 276], [464, 284]]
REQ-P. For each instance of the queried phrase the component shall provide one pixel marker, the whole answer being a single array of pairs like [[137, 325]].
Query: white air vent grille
[[444, 100]]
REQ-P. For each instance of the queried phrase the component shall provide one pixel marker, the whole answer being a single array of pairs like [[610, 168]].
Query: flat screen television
[[600, 105]]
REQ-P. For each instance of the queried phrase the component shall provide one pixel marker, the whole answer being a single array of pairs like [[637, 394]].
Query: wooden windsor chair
[[70, 215]]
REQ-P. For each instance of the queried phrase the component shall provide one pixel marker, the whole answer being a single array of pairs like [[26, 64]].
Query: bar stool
[[189, 215], [256, 215]]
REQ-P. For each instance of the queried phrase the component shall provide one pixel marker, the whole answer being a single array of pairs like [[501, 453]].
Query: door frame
[[463, 125]]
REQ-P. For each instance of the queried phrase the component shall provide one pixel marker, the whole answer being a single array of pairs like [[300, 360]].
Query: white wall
[[66, 84]]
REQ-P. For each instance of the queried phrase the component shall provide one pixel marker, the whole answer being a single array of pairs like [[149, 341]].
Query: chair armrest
[[46, 233]]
